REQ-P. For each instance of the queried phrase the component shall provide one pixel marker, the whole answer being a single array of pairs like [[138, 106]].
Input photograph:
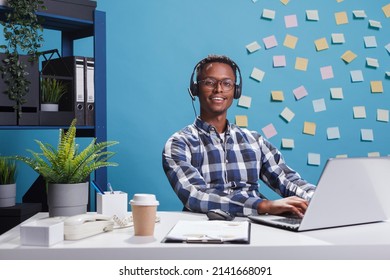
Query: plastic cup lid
[[144, 199]]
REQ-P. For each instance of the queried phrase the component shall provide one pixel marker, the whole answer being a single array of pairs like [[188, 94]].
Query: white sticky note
[[382, 115], [387, 47], [336, 93], [257, 74], [375, 24], [270, 42], [268, 14], [252, 47], [356, 76], [300, 92], [326, 72], [313, 159], [312, 15], [367, 134], [342, 156], [374, 154], [359, 112], [319, 105], [333, 133], [388, 74], [245, 101], [370, 41], [338, 38], [288, 143], [269, 131], [279, 61], [287, 114], [359, 14], [372, 62], [290, 21]]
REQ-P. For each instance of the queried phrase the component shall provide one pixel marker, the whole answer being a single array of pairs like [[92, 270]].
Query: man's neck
[[219, 122]]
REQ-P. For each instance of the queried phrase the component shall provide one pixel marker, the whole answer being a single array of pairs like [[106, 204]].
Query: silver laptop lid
[[349, 192]]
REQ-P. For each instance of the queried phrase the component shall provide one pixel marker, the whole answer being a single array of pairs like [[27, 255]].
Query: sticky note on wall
[[341, 18], [313, 159], [333, 133], [252, 47], [290, 41], [269, 131], [367, 135], [386, 10], [245, 101], [257, 74], [287, 114], [277, 95], [348, 56], [359, 112], [242, 121], [376, 86], [309, 128], [382, 115], [288, 143], [301, 63]]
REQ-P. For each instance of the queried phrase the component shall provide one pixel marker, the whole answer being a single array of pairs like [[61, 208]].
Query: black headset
[[193, 90]]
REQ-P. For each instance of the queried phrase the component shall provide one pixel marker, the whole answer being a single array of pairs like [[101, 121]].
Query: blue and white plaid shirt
[[207, 172]]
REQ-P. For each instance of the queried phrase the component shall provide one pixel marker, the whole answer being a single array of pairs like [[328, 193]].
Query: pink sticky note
[[269, 131], [291, 21], [326, 72], [270, 42], [300, 92], [279, 61]]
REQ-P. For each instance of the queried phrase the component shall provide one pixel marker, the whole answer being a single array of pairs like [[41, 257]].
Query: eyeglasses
[[211, 83]]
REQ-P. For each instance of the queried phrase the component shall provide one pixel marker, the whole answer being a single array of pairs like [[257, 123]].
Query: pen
[[110, 188], [96, 187]]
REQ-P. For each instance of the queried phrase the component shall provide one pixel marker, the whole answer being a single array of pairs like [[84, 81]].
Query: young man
[[213, 164]]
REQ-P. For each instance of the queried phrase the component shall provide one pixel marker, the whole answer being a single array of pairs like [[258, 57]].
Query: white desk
[[371, 241]]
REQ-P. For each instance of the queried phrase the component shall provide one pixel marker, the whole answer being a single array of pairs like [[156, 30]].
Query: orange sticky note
[[242, 121], [277, 95], [321, 44], [341, 18], [290, 41], [301, 63], [348, 56], [386, 10], [376, 86], [309, 128]]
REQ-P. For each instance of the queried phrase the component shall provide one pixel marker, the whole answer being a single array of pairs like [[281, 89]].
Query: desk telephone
[[85, 225]]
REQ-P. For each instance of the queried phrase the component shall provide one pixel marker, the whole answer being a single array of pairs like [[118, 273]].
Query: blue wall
[[152, 47]]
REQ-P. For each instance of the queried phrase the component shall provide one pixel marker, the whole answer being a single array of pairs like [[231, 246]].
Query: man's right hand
[[293, 205]]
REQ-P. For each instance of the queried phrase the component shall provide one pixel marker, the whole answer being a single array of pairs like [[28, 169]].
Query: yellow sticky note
[[348, 56], [242, 121], [321, 44], [341, 18], [277, 95], [290, 41], [284, 2], [309, 128], [386, 10], [301, 63], [376, 86]]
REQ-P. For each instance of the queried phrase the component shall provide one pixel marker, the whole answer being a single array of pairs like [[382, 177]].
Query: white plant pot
[[7, 195], [49, 107], [67, 199]]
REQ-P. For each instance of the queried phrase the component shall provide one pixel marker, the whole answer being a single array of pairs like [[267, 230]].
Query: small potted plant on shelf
[[66, 170], [22, 34], [51, 92], [7, 182]]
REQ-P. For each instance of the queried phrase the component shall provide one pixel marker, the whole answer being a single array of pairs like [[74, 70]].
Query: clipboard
[[210, 232]]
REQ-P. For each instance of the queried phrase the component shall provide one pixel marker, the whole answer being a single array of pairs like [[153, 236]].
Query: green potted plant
[[22, 33], [7, 182], [51, 92], [66, 170]]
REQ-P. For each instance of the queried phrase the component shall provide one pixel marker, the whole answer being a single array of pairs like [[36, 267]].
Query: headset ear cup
[[194, 88], [237, 92]]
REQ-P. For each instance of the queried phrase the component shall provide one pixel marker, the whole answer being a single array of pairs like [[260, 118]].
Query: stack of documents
[[210, 232]]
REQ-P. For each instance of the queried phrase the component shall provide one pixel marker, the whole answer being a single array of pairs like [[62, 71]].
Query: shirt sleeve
[[279, 176], [191, 188]]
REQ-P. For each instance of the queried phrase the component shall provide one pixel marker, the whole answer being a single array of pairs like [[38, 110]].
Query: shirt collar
[[207, 128]]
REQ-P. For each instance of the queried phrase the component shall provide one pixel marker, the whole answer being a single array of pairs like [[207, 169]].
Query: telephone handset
[[85, 225]]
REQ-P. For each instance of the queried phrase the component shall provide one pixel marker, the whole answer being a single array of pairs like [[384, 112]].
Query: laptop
[[350, 191]]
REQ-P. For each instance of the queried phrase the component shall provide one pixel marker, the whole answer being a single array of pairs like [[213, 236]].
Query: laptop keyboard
[[290, 220]]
